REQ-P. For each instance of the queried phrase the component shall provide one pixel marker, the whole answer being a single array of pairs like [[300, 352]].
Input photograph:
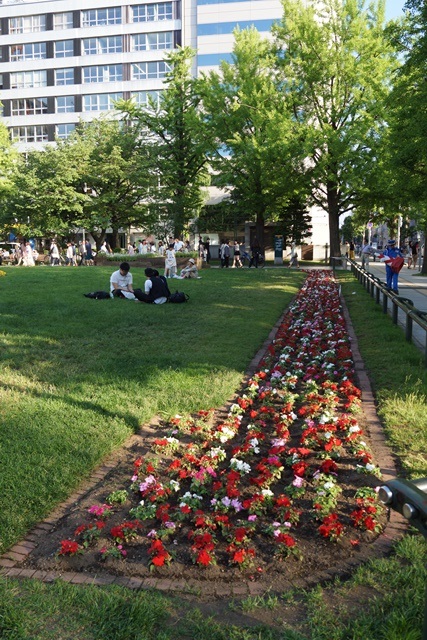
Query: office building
[[62, 61]]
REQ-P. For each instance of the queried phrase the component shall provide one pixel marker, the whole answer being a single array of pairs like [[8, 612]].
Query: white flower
[[267, 493]]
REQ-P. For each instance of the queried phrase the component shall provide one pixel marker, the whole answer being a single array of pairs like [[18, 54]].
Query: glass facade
[[64, 76], [27, 24], [152, 12], [107, 73], [30, 51], [28, 79], [30, 134], [150, 41], [63, 131], [217, 28], [144, 70], [96, 46], [101, 17], [101, 102], [29, 106]]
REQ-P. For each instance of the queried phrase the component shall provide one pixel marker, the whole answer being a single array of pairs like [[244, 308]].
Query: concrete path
[[413, 286]]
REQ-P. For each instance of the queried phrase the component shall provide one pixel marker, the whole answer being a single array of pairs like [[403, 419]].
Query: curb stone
[[394, 530]]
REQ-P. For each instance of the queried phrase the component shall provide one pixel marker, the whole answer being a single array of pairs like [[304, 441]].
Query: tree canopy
[[336, 67]]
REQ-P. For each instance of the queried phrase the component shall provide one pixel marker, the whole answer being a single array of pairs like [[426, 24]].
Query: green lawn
[[79, 375]]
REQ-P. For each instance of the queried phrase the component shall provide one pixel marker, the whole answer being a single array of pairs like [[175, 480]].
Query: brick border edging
[[394, 530]]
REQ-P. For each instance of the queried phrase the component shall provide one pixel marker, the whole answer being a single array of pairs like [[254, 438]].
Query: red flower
[[68, 548]]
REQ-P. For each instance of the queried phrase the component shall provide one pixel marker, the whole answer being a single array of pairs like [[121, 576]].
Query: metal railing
[[383, 295]]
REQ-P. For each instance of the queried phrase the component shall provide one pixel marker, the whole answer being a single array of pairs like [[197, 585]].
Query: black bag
[[97, 295], [178, 296]]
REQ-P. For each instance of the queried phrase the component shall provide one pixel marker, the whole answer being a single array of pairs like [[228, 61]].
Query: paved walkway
[[412, 286]]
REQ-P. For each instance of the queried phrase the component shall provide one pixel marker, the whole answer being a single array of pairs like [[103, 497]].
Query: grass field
[[78, 376]]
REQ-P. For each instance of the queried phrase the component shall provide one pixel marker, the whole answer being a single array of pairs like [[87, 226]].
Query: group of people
[[255, 258], [22, 254], [145, 246], [156, 289]]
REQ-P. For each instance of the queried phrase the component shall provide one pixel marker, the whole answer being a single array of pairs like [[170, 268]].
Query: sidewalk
[[412, 286]]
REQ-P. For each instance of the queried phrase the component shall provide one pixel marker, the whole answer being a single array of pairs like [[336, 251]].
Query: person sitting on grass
[[121, 283], [190, 271], [156, 290]]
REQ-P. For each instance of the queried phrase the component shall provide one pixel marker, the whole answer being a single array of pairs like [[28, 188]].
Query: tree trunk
[[259, 229], [333, 217], [115, 244]]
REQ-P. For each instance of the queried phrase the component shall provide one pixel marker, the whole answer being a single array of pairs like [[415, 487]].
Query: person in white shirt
[[156, 290], [121, 283], [178, 245], [69, 255], [367, 251]]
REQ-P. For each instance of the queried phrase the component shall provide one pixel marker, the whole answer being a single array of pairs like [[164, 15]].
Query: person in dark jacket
[[156, 290]]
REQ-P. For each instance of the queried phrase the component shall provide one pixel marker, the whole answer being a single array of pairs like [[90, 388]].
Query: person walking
[[256, 253], [351, 250], [414, 250], [54, 254], [366, 254], [392, 269], [236, 258]]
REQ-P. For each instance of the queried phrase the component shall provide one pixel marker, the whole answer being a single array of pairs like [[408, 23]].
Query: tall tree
[[408, 121], [117, 177], [180, 141], [336, 65], [43, 200], [259, 159]]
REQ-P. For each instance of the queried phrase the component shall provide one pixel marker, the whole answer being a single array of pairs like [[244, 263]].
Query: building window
[[63, 131], [144, 70], [30, 51], [142, 98], [27, 24], [30, 134], [65, 104], [101, 102], [152, 12], [107, 73], [63, 21], [28, 79], [147, 41], [101, 17], [29, 107], [95, 46], [221, 28], [64, 48], [64, 76]]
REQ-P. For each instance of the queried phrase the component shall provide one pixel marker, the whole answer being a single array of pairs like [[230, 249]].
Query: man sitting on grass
[[121, 283]]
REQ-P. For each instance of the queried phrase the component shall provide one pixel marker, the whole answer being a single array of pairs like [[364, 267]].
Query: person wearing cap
[[190, 271], [156, 290], [121, 283], [392, 275]]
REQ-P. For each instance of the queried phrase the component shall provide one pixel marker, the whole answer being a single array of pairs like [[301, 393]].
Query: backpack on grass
[[97, 295], [178, 297]]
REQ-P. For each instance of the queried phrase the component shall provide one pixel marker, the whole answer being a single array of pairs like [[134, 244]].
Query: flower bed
[[281, 484]]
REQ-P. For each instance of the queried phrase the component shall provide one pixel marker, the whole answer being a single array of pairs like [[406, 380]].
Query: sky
[[394, 8]]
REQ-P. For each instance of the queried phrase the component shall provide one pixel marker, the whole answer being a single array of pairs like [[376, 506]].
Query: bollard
[[409, 499]]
